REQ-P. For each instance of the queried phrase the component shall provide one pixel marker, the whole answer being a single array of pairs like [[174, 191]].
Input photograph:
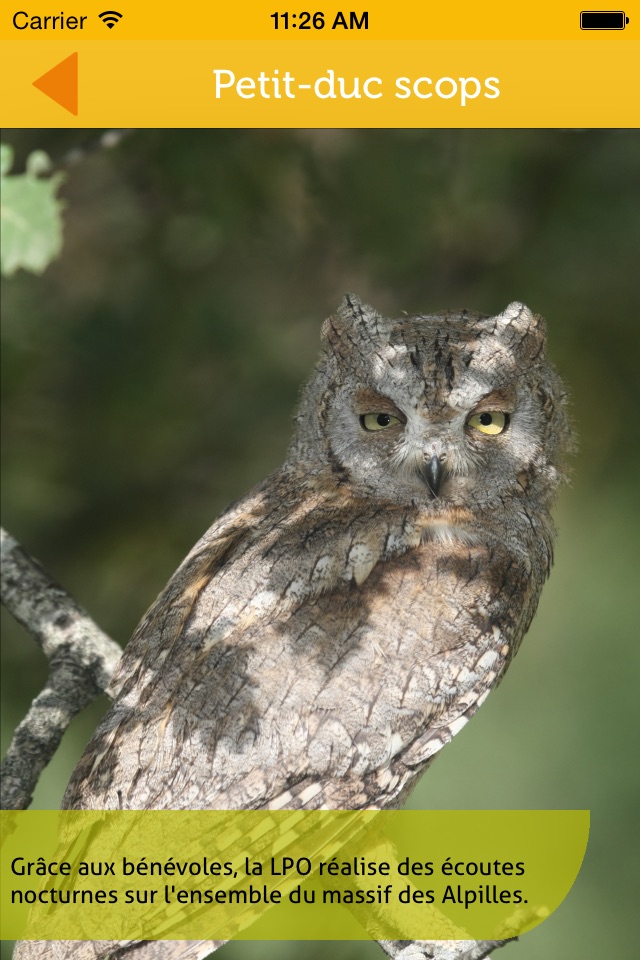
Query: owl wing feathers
[[300, 657], [282, 679]]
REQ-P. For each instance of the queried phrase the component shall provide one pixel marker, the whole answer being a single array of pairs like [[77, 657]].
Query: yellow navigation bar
[[279, 84]]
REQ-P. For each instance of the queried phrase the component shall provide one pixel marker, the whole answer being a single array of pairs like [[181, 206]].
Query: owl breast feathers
[[337, 626]]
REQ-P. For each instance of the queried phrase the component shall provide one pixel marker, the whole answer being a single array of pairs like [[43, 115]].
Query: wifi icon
[[110, 18]]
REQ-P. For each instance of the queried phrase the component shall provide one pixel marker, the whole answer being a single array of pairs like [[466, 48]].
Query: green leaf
[[30, 214]]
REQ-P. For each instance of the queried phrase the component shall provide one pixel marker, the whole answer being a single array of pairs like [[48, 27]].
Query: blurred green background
[[150, 374]]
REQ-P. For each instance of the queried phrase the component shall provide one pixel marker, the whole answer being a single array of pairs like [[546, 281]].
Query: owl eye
[[378, 421], [490, 423]]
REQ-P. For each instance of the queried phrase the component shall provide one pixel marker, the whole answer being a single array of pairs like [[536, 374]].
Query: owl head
[[453, 408]]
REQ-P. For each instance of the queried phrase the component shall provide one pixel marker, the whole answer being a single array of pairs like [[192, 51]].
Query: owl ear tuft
[[353, 317], [352, 308], [519, 317], [519, 325]]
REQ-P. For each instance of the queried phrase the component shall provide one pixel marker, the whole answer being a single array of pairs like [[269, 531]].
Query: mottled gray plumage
[[339, 624]]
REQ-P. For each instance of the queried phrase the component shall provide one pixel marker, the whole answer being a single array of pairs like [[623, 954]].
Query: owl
[[337, 626]]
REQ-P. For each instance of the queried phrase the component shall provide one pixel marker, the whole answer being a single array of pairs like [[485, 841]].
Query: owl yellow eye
[[490, 423], [378, 421]]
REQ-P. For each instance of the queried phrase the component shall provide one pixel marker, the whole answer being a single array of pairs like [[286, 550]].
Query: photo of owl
[[336, 627], [341, 622]]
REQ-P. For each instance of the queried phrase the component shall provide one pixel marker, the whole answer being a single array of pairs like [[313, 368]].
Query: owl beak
[[432, 473]]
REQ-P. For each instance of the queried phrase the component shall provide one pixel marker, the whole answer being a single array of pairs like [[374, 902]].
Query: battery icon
[[603, 20]]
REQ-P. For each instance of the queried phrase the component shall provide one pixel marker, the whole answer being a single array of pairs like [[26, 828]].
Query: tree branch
[[81, 661], [441, 949]]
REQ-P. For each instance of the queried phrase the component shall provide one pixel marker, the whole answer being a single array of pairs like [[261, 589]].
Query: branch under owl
[[81, 662], [441, 949]]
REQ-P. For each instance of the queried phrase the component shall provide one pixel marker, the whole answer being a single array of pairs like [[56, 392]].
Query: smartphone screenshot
[[319, 437]]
